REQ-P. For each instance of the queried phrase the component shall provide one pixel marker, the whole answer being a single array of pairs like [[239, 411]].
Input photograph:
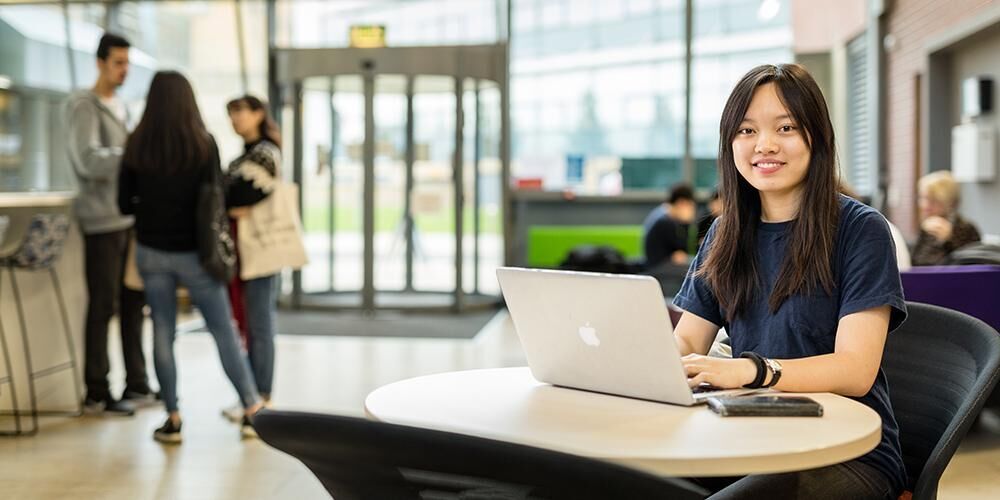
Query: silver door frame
[[476, 62]]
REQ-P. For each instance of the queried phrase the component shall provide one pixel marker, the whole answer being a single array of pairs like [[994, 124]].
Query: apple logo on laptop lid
[[589, 335]]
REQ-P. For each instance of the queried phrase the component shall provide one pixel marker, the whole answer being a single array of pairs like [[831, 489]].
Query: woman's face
[[769, 149], [246, 122], [931, 206]]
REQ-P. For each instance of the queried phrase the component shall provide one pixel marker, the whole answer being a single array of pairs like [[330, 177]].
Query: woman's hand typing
[[723, 373]]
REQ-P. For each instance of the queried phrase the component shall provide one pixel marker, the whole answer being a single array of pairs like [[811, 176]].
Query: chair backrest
[[976, 253], [970, 289], [941, 366], [43, 243], [357, 459]]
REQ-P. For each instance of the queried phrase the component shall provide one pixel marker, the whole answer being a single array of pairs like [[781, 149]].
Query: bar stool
[[39, 250]]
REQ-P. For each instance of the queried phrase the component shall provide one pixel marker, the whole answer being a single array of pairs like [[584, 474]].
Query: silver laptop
[[608, 333]]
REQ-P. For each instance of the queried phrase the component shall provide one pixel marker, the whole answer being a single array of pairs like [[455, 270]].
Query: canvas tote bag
[[269, 238]]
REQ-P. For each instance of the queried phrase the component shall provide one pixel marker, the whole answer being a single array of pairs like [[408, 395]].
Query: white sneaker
[[233, 414], [141, 399]]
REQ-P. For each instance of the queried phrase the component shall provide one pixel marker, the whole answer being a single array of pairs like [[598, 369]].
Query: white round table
[[508, 404]]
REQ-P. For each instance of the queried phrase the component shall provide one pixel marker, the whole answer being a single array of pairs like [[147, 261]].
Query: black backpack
[[597, 259]]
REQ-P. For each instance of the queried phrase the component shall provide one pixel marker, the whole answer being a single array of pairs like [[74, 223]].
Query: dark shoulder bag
[[216, 248]]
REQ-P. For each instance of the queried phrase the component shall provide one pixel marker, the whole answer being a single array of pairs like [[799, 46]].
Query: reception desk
[[40, 304], [548, 208]]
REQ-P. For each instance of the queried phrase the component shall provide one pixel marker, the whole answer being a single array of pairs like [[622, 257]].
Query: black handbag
[[216, 248]]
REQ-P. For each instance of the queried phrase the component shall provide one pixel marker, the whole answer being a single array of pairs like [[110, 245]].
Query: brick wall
[[912, 23]]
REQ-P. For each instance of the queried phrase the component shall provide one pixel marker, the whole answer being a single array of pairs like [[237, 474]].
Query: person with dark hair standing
[[666, 230], [97, 132], [803, 279], [250, 179], [166, 159]]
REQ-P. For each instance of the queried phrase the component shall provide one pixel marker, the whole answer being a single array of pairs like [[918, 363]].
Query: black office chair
[[357, 459], [942, 366]]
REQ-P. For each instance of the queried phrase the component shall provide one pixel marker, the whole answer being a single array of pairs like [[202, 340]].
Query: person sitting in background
[[714, 211], [942, 230], [666, 228]]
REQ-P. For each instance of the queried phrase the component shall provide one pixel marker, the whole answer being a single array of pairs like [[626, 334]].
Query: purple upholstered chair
[[971, 289], [974, 290]]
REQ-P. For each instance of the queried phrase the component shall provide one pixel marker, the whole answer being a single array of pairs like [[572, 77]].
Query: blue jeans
[[161, 273], [260, 296]]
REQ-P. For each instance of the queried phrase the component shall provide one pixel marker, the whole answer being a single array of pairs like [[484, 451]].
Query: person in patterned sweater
[[250, 179], [942, 229]]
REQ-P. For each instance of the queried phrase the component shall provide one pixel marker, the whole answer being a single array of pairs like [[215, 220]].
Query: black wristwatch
[[775, 367]]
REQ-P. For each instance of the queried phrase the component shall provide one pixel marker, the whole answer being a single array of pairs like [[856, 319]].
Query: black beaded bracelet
[[758, 361]]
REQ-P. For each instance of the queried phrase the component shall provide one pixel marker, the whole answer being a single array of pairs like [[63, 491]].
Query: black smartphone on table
[[765, 406]]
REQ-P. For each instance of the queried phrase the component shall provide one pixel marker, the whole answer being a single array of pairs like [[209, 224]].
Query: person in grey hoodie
[[97, 133]]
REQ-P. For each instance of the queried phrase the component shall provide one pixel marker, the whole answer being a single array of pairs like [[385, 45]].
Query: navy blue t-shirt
[[806, 325]]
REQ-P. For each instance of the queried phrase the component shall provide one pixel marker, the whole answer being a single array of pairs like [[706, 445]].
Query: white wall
[[978, 56]]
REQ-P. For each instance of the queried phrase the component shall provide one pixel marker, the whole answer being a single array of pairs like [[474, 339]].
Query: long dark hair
[[268, 128], [731, 268], [171, 135]]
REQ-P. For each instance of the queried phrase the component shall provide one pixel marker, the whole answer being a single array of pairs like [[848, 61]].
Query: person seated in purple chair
[[942, 230]]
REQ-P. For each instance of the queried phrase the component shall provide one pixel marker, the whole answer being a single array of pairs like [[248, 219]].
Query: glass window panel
[[390, 182], [722, 57], [629, 32], [639, 111], [311, 23], [640, 7], [490, 214], [433, 197], [332, 189], [524, 15], [35, 79], [610, 11], [601, 91], [552, 13], [469, 170], [670, 25], [582, 11], [707, 17]]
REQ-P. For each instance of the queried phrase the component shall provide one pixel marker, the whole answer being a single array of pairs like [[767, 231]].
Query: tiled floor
[[116, 458]]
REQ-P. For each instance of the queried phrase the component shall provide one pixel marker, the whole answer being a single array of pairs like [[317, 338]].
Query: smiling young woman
[[803, 279]]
